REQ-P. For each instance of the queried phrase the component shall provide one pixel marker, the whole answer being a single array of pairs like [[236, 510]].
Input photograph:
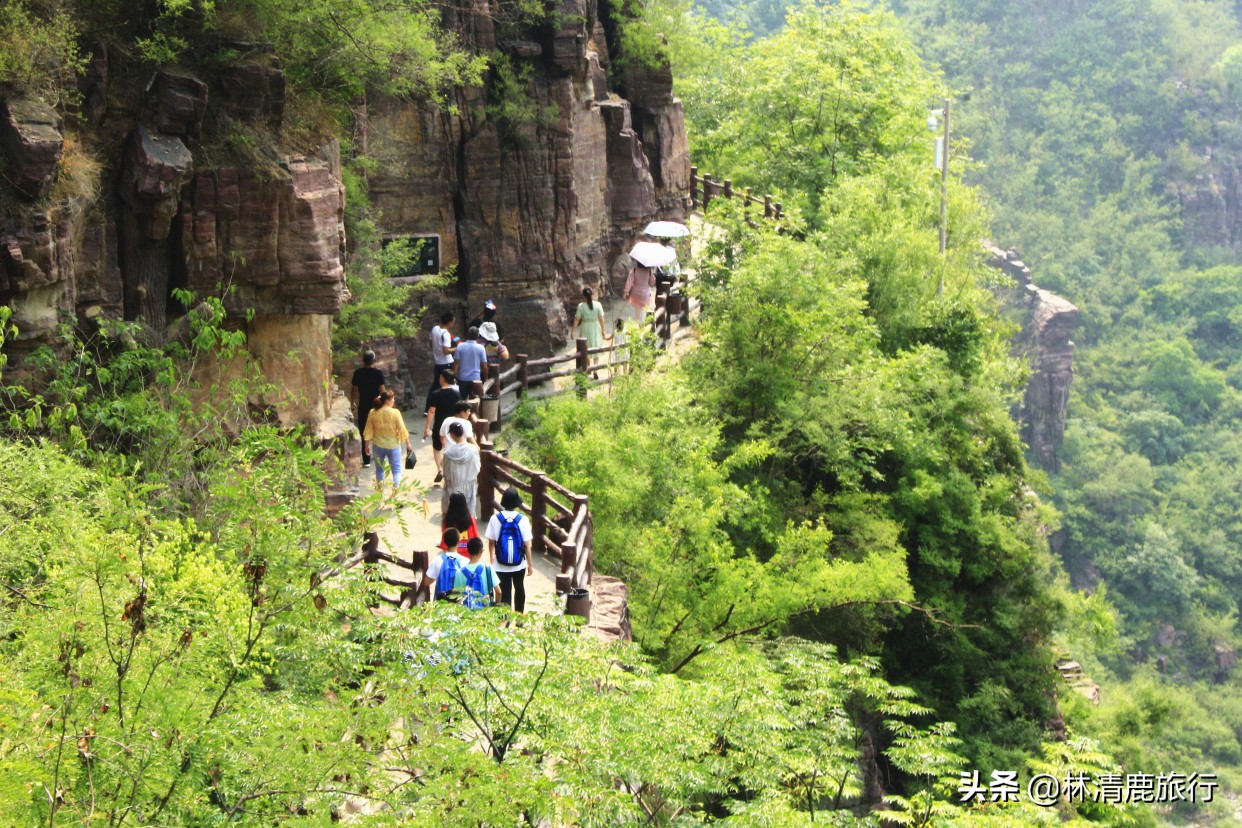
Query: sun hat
[[511, 499], [488, 331]]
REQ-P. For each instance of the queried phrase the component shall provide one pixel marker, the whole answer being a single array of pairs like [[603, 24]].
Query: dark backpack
[[473, 596], [448, 574], [509, 547]]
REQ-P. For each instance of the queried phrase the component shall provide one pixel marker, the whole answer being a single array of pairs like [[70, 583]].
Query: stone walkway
[[412, 520]]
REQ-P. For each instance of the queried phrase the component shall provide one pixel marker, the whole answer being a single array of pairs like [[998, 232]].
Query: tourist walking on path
[[619, 356], [477, 581], [666, 275], [460, 466], [441, 350], [470, 365], [509, 537], [590, 318], [638, 289], [488, 315], [489, 337], [440, 406], [385, 434], [457, 517], [367, 384], [443, 568], [461, 414]]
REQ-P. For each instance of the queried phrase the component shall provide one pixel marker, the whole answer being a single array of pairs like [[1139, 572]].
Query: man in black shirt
[[367, 384], [441, 405]]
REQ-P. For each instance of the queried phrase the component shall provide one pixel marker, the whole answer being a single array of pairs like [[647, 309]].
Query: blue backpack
[[473, 596], [509, 547], [448, 574]]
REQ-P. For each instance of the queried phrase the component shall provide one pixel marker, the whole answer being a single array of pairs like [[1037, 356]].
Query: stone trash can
[[673, 304]]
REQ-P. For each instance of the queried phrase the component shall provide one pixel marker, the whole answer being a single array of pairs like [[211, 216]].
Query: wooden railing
[[560, 524], [560, 519], [526, 373], [703, 189], [413, 591]]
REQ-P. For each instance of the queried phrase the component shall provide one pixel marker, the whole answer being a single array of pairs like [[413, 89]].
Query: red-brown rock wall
[[532, 209]]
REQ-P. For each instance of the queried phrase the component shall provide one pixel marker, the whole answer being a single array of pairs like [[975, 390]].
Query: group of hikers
[[461, 367]]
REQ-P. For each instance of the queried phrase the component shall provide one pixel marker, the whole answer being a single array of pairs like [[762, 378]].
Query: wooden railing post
[[728, 188], [767, 206], [589, 546], [694, 187], [780, 211], [539, 511], [487, 481], [421, 595], [569, 562], [583, 361], [707, 190], [521, 361]]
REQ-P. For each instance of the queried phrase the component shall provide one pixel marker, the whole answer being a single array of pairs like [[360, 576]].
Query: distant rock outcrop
[[30, 132], [1049, 322]]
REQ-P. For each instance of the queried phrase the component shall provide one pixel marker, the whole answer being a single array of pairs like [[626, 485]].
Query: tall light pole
[[942, 163]]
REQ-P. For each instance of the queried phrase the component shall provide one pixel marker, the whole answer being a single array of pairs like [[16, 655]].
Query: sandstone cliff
[[169, 208], [1048, 323], [198, 186], [530, 209]]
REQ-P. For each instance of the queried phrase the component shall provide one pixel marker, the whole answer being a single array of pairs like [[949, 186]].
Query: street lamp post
[[942, 162]]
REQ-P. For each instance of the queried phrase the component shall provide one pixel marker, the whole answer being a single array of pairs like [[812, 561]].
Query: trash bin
[[489, 408], [673, 304], [578, 602]]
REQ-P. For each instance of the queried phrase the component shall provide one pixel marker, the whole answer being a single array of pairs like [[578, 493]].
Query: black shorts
[[436, 442]]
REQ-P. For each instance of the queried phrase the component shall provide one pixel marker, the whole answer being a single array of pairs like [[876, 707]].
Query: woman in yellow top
[[384, 435]]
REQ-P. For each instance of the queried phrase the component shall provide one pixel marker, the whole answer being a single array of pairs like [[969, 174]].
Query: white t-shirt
[[465, 424], [441, 339], [493, 534], [436, 564]]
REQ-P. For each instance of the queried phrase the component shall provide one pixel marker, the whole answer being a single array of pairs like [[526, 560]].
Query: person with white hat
[[489, 338], [489, 315]]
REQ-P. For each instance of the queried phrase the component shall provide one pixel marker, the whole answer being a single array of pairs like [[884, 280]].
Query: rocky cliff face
[[170, 210], [1047, 325], [529, 209], [534, 185]]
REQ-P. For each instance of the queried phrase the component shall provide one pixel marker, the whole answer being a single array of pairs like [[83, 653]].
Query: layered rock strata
[[535, 202], [1049, 322], [267, 236]]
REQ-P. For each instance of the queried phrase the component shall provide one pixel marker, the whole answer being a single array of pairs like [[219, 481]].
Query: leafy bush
[[39, 54]]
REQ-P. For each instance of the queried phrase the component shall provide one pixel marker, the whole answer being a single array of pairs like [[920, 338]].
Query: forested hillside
[[842, 593], [1109, 141], [1105, 141]]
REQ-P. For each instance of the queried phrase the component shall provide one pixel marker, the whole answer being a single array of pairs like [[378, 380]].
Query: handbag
[[410, 460]]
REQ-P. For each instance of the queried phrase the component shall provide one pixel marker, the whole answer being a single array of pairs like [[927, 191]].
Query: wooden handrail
[[704, 188], [573, 544]]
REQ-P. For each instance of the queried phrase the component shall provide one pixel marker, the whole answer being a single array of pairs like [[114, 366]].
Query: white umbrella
[[666, 230], [650, 254]]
